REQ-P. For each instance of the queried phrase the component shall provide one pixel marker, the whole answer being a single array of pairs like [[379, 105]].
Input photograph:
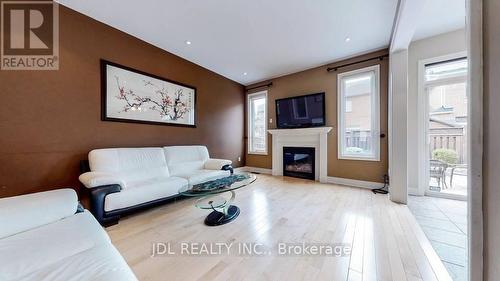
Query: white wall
[[436, 46], [398, 100], [491, 160]]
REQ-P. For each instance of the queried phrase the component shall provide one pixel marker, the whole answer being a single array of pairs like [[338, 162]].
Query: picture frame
[[133, 96]]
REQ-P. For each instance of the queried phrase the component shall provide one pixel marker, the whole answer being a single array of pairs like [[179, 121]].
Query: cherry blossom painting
[[130, 95]]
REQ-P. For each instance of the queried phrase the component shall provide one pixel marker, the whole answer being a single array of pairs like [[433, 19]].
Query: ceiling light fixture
[[244, 73], [347, 39], [188, 42]]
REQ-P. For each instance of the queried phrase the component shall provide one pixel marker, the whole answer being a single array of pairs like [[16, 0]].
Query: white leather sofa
[[123, 180], [46, 236]]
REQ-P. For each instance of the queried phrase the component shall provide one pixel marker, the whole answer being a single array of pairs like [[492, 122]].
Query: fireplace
[[299, 162]]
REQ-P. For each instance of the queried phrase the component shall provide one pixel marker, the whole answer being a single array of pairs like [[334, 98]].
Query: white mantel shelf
[[304, 137], [301, 131]]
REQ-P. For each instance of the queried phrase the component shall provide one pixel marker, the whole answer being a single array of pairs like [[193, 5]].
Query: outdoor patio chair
[[453, 167], [438, 171]]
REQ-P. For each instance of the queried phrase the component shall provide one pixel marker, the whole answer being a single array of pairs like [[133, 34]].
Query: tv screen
[[301, 112]]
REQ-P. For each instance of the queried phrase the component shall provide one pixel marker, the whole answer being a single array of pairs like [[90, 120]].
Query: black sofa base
[[112, 217], [98, 194]]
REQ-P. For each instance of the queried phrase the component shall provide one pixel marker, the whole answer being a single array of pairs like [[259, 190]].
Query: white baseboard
[[255, 169], [355, 183], [332, 180]]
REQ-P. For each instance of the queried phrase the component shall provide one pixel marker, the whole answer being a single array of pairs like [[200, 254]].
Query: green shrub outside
[[446, 155]]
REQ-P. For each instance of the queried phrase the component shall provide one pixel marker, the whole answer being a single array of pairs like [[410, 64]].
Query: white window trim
[[375, 113], [249, 123]]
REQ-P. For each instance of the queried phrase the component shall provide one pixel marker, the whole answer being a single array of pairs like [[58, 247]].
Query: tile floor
[[444, 222]]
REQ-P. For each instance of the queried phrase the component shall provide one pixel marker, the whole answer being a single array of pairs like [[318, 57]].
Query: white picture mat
[[143, 86]]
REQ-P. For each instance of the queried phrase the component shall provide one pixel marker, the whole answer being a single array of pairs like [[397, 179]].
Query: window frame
[[375, 109], [250, 112]]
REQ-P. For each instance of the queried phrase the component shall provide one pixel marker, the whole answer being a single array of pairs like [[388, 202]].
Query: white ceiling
[[264, 38], [440, 16]]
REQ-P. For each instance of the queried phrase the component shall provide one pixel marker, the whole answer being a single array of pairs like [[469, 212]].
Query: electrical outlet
[[270, 120], [239, 159]]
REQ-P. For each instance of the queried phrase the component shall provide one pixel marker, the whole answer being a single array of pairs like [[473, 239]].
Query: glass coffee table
[[211, 198]]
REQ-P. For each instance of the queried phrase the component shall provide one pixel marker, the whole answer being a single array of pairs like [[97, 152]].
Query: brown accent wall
[[50, 120], [319, 80]]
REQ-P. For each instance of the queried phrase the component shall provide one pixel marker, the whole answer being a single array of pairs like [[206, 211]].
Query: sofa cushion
[[24, 212], [142, 191], [49, 244], [130, 164], [199, 176], [143, 174], [184, 159], [101, 263]]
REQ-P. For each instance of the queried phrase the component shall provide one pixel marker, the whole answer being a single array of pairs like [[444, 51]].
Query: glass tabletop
[[235, 181], [211, 202]]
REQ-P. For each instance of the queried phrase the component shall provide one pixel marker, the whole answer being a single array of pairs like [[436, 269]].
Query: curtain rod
[[446, 61], [335, 68], [260, 86]]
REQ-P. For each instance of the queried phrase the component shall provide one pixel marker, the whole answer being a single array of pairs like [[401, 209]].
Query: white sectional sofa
[[123, 180], [46, 236]]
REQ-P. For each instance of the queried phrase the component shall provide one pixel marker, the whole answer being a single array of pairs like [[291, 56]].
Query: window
[[445, 83], [348, 105], [257, 125], [359, 114], [446, 70]]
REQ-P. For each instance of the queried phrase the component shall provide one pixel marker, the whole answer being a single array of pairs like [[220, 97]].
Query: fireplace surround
[[305, 137]]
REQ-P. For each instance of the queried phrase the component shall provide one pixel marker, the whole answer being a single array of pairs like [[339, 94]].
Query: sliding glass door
[[446, 91]]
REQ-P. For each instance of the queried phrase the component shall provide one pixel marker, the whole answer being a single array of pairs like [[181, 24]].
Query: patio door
[[445, 89]]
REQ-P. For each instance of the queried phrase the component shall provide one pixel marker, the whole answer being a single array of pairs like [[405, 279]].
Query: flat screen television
[[301, 112]]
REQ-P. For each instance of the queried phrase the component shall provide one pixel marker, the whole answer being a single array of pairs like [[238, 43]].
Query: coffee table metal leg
[[228, 204], [228, 214]]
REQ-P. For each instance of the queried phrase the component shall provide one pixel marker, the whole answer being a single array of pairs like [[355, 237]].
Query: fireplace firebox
[[299, 162]]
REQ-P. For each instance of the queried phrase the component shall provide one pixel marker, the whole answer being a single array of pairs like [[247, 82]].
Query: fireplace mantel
[[304, 137]]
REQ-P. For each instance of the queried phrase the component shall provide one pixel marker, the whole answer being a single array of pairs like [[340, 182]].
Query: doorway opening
[[443, 157]]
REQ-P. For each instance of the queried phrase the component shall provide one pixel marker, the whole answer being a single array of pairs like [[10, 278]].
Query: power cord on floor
[[385, 188]]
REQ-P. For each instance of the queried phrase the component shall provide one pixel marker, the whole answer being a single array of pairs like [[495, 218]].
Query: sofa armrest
[[95, 179], [216, 164], [97, 197], [25, 212]]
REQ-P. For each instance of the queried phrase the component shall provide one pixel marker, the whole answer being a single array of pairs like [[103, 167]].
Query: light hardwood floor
[[386, 241]]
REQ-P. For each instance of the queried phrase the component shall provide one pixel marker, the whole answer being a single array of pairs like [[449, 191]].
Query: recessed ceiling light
[[347, 39], [244, 73], [188, 42]]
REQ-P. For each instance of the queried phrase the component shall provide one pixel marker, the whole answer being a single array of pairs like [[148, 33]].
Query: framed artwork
[[130, 95]]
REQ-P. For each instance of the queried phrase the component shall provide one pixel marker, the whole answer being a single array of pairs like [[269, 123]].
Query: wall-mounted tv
[[301, 112]]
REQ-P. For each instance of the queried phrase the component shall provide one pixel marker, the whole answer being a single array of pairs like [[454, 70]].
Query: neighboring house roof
[[443, 109], [446, 123]]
